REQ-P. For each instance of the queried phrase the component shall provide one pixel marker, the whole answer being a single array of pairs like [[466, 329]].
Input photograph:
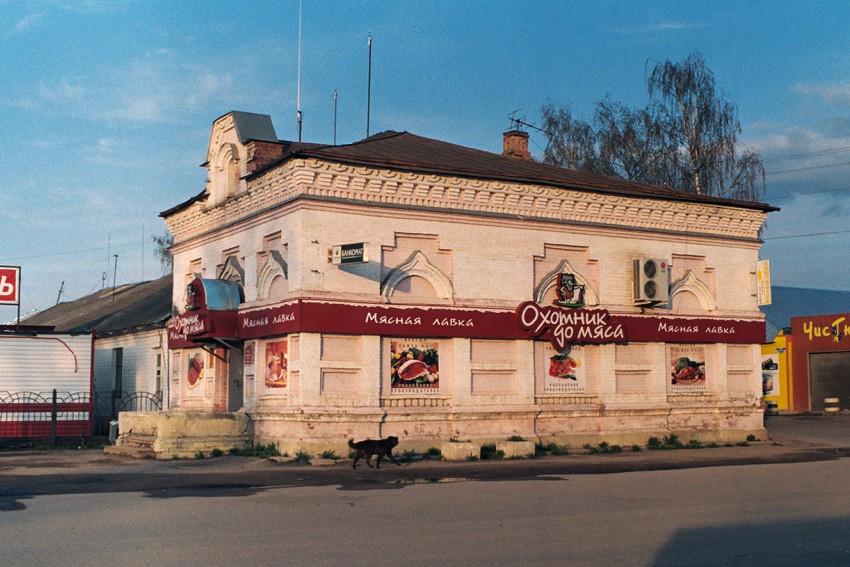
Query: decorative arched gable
[[691, 283], [225, 173], [232, 271], [274, 267], [551, 279], [418, 266]]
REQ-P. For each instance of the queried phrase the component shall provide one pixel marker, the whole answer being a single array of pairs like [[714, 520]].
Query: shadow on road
[[824, 542]]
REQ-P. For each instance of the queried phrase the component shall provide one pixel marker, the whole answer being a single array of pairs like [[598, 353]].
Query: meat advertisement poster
[[687, 368], [195, 372], [277, 358], [414, 366], [564, 371]]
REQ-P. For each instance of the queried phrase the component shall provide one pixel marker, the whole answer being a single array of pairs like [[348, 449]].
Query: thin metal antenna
[[369, 87], [114, 273], [298, 93], [108, 246], [336, 96], [61, 287]]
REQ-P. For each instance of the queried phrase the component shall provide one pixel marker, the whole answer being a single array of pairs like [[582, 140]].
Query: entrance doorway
[[829, 377], [235, 378]]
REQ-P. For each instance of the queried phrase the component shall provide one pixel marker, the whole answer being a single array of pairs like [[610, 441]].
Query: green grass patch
[[551, 449], [604, 448], [260, 450], [303, 458], [489, 451]]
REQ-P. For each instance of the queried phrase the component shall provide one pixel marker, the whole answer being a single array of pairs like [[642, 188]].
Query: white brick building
[[461, 246]]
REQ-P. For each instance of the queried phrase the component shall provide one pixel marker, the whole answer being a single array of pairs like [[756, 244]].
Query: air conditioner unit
[[652, 281]]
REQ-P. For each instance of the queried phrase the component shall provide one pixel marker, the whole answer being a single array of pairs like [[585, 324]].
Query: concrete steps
[[135, 446]]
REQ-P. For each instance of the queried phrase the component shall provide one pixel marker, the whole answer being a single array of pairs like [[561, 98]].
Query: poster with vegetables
[[277, 357], [195, 374], [687, 368], [414, 365], [564, 371]]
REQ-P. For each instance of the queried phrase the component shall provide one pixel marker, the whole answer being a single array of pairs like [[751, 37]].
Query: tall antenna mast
[[336, 96], [369, 87], [114, 273], [298, 94]]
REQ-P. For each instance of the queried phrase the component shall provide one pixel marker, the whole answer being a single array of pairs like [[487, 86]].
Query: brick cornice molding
[[374, 186]]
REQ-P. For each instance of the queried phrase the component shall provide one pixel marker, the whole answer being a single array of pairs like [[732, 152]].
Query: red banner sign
[[561, 326], [570, 326]]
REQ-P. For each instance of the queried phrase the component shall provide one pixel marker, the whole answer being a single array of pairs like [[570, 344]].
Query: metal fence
[[107, 405], [40, 415], [52, 415]]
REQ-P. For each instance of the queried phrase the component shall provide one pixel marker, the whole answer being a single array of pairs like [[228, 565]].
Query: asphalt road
[[783, 501]]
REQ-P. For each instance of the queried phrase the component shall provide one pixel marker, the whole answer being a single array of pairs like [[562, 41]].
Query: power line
[[807, 235], [806, 194], [811, 167], [808, 154], [18, 258]]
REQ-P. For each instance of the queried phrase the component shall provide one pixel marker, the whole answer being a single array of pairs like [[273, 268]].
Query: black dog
[[380, 447]]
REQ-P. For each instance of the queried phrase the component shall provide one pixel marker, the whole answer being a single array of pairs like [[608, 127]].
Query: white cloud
[[662, 26], [65, 90], [25, 23], [838, 93]]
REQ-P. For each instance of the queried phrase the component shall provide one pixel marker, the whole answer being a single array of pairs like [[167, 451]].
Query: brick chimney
[[516, 145]]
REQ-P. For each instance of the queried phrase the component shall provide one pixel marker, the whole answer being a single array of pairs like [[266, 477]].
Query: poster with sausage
[[277, 358], [687, 368], [414, 366], [563, 372]]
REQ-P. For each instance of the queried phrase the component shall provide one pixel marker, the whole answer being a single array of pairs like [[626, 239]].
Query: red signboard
[[10, 285], [814, 334], [569, 326], [185, 329]]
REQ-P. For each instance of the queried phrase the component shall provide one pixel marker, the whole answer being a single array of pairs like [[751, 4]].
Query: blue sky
[[106, 105]]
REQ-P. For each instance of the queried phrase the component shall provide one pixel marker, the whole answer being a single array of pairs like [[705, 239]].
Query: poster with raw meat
[[687, 368], [770, 375], [414, 366], [195, 372], [564, 371], [277, 357]]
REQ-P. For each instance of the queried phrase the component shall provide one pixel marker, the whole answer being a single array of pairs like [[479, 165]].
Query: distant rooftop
[[127, 308]]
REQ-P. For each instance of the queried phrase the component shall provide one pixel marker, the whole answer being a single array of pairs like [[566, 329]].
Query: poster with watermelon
[[414, 366], [564, 372], [687, 368]]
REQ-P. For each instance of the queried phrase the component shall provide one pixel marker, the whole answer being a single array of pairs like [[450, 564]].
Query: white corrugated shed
[[46, 361]]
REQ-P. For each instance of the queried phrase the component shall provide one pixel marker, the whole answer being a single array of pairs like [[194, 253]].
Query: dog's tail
[[351, 443]]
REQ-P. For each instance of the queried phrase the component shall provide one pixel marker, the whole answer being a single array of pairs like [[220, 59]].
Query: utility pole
[[61, 287]]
